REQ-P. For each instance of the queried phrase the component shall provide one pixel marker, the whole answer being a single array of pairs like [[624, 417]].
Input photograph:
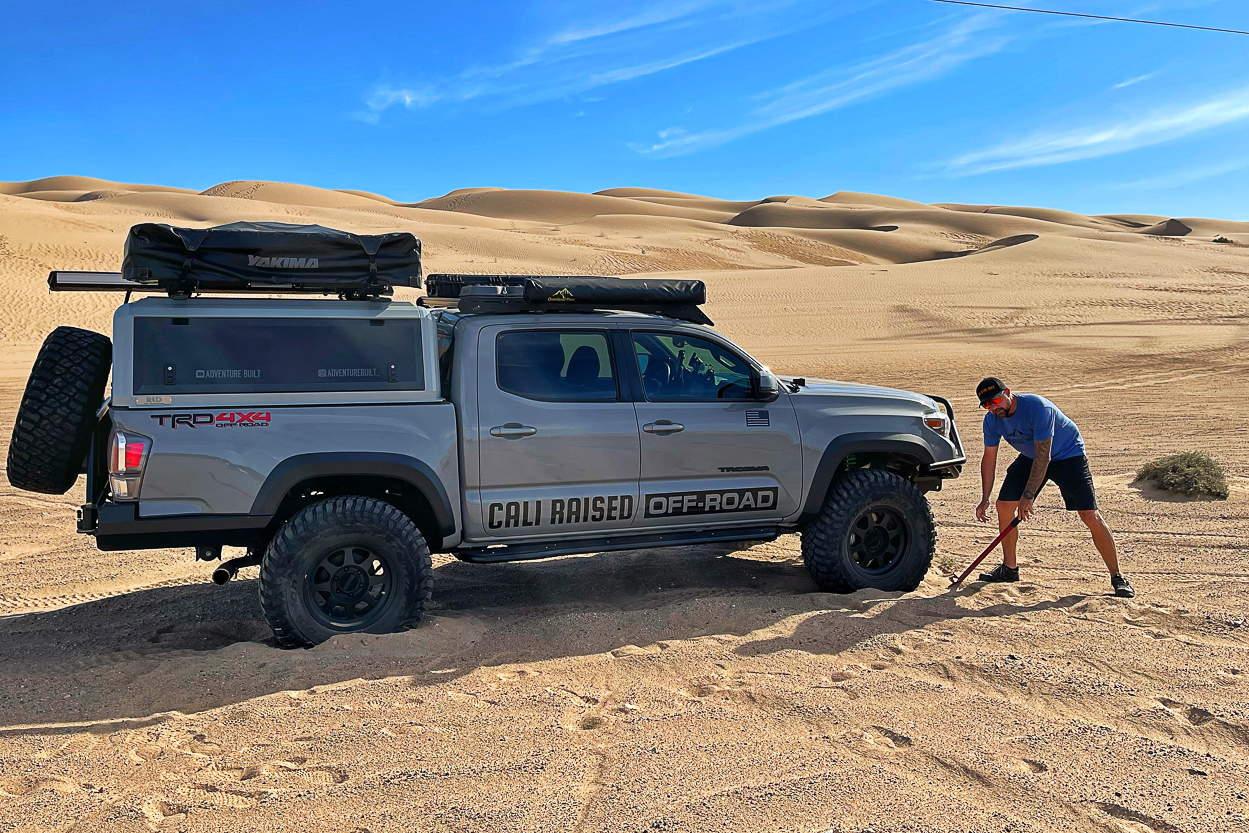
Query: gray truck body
[[486, 472]]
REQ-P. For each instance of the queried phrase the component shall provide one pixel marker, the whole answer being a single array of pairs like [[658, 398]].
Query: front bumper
[[953, 467]]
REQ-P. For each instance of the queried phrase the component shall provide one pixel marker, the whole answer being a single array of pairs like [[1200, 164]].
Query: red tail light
[[127, 456]]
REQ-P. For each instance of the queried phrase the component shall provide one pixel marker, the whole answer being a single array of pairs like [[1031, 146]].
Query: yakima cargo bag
[[256, 255]]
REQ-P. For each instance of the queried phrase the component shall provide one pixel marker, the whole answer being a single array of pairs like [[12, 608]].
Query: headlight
[[938, 422]]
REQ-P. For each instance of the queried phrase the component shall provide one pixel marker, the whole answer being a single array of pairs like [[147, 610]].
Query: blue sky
[[729, 98]]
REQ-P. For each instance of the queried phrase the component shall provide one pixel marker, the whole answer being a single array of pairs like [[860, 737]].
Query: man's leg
[[1102, 538], [1006, 514]]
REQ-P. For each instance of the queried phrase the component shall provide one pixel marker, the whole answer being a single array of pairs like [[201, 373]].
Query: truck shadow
[[189, 648]]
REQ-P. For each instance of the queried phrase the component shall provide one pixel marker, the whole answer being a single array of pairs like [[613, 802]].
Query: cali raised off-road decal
[[710, 503], [559, 511]]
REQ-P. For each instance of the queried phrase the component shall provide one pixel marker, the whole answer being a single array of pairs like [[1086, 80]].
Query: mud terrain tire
[[344, 565], [875, 530], [54, 421]]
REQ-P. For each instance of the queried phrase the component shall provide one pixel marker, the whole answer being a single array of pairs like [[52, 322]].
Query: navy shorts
[[1072, 476]]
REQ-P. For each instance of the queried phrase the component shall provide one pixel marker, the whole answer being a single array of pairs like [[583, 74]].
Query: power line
[[1092, 16]]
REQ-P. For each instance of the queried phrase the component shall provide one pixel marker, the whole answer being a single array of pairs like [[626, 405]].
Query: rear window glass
[[276, 355], [556, 366]]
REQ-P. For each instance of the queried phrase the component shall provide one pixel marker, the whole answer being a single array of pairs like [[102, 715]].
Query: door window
[[680, 368], [556, 366]]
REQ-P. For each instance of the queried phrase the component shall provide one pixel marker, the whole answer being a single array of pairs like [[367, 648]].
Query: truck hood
[[867, 394]]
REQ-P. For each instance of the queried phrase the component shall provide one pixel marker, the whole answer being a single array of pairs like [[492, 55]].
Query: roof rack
[[672, 298], [67, 281]]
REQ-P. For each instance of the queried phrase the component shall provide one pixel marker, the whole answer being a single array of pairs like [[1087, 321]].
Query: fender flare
[[861, 443], [416, 473]]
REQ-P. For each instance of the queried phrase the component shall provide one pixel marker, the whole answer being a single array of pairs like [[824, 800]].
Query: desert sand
[[695, 689]]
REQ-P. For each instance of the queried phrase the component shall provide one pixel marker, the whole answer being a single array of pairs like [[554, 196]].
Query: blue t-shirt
[[1035, 418]]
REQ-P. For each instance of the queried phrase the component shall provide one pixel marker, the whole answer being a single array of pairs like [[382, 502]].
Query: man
[[1050, 448]]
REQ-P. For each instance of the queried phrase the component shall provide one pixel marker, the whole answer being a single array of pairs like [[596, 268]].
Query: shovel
[[955, 582]]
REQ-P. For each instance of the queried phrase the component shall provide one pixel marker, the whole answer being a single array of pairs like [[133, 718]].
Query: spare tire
[[54, 421]]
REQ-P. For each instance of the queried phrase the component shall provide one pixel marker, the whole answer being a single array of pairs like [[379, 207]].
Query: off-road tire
[[54, 421], [322, 530], [826, 547]]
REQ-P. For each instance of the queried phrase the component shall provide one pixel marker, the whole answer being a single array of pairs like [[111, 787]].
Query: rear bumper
[[117, 526]]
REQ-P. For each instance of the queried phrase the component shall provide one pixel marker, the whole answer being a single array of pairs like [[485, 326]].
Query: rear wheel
[[54, 421], [344, 565], [875, 530]]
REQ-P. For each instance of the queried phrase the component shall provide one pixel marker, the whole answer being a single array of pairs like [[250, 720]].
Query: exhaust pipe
[[231, 568]]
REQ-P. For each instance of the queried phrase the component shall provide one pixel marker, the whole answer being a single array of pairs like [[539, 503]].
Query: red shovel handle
[[955, 582]]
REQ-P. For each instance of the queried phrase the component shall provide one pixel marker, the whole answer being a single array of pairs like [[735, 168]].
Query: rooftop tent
[[255, 256]]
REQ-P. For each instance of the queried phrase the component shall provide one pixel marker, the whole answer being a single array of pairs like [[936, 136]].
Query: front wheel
[[344, 565], [875, 530]]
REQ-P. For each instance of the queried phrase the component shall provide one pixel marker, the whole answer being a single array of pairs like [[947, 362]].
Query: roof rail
[[68, 281], [672, 298]]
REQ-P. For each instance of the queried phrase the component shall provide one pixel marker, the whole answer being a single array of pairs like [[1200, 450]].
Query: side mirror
[[767, 386]]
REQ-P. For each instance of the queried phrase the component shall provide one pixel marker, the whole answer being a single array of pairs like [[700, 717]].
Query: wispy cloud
[[1178, 178], [1138, 79], [609, 50], [652, 16], [836, 88], [1091, 142]]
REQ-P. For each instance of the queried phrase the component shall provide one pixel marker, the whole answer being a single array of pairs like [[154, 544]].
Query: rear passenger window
[[554, 366], [276, 355]]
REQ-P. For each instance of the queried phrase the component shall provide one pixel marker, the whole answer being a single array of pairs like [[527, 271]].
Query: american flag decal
[[756, 419]]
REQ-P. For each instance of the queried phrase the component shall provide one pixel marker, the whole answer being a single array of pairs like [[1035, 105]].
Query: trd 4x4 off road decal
[[559, 511], [710, 503], [226, 419]]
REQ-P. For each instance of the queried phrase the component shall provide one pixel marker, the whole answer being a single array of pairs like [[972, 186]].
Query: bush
[[1191, 473]]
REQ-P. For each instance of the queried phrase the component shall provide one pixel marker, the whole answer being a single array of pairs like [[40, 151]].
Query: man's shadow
[[836, 631]]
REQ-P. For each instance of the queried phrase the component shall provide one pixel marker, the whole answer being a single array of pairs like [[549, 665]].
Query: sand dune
[[644, 193], [557, 207], [80, 184], [874, 200], [699, 688], [79, 222], [369, 194], [1167, 228], [287, 194]]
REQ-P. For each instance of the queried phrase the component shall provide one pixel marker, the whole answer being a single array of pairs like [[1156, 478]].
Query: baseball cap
[[990, 387]]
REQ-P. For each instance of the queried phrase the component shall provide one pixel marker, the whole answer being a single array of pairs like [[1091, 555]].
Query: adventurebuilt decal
[[226, 419]]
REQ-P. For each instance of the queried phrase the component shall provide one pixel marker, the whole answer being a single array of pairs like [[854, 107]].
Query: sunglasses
[[992, 403]]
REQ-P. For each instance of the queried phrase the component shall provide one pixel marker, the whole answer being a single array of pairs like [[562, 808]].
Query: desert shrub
[[1189, 473]]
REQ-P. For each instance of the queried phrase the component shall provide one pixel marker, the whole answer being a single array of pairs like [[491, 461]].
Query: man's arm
[[1040, 464], [988, 472]]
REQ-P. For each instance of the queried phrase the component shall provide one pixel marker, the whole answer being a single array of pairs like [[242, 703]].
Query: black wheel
[[342, 565], [875, 530], [54, 421]]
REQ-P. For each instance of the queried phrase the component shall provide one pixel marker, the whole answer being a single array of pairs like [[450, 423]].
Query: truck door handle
[[663, 427], [512, 431]]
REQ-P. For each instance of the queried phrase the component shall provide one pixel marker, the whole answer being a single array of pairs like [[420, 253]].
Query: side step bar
[[528, 552]]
